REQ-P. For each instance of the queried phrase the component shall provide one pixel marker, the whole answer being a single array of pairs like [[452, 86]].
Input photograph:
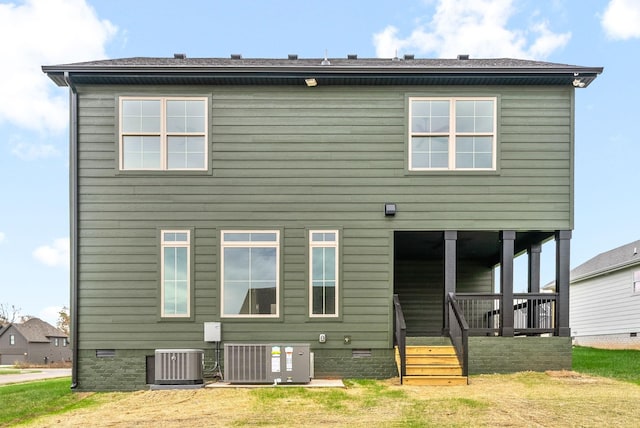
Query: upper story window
[[12, 339], [636, 282], [452, 134], [250, 273], [176, 276], [163, 133], [323, 273]]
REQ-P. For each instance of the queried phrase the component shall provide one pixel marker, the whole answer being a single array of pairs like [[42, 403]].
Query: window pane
[[237, 237], [182, 267], [317, 269], [474, 152], [176, 237], [141, 152], [236, 293], [323, 237], [464, 160], [250, 280], [484, 108], [474, 116], [263, 265], [185, 116], [236, 264], [430, 116], [430, 152], [140, 116], [175, 291], [169, 264], [329, 263], [440, 108], [263, 237], [484, 124], [185, 152]]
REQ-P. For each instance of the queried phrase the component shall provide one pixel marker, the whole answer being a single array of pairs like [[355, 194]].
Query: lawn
[[524, 399], [619, 364], [33, 399]]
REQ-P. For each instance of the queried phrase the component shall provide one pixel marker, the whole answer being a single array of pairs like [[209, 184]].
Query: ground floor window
[[250, 273], [176, 278], [323, 273]]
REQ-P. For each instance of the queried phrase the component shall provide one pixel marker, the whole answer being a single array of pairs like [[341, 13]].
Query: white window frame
[[324, 244], [249, 244], [163, 134], [635, 285], [12, 340], [174, 244], [452, 134]]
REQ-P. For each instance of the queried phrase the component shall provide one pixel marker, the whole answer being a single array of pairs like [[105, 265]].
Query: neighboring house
[[605, 299], [33, 341], [291, 199]]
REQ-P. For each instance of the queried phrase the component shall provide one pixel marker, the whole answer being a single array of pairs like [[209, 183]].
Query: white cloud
[[475, 27], [32, 151], [621, 19], [54, 255], [44, 32]]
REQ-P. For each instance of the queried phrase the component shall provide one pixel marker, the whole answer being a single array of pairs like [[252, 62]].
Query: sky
[[34, 213]]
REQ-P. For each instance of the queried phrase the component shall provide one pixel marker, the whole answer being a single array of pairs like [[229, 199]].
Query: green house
[[359, 206]]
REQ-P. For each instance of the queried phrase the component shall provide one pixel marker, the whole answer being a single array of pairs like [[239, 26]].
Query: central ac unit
[[267, 363], [179, 366]]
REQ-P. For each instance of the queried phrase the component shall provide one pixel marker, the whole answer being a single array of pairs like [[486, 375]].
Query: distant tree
[[8, 314], [63, 320]]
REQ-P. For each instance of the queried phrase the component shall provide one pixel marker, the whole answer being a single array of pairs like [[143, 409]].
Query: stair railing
[[400, 335], [458, 332]]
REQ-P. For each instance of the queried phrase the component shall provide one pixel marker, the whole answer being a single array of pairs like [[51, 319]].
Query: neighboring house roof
[[612, 260], [327, 71], [624, 256], [36, 330]]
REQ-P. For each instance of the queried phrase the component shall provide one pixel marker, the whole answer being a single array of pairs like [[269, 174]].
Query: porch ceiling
[[483, 246]]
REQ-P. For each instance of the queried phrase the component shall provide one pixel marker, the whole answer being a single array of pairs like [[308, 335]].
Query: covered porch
[[445, 285]]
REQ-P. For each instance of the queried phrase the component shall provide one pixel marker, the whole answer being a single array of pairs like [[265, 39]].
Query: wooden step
[[436, 365], [434, 380], [434, 370], [430, 350]]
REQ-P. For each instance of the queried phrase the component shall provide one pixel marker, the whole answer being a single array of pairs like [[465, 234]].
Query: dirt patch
[[523, 399]]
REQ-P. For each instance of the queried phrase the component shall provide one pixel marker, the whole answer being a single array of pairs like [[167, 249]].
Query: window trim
[[635, 283], [324, 244], [251, 244], [176, 244], [163, 134], [452, 134], [12, 340]]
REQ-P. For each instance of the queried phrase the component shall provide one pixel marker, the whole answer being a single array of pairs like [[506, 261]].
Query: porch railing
[[458, 332], [533, 313], [400, 335]]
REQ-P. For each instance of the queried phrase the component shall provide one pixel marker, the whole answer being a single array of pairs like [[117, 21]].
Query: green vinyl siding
[[299, 159]]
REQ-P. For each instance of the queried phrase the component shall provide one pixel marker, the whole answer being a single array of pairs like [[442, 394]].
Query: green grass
[[33, 399], [9, 371], [621, 364]]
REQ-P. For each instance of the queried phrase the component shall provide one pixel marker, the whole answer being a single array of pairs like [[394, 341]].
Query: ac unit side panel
[[246, 363], [179, 366]]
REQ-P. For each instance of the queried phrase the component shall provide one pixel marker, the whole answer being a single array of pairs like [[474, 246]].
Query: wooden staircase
[[432, 365]]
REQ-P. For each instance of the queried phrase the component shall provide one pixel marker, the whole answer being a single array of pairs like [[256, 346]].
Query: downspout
[[73, 225]]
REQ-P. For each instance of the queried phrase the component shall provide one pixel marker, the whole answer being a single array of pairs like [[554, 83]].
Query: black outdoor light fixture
[[389, 209]]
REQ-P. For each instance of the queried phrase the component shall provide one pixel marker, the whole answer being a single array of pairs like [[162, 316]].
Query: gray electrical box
[[212, 332]]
